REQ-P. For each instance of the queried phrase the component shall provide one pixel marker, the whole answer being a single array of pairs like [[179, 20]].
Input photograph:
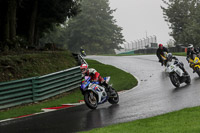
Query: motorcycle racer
[[95, 77], [170, 57], [176, 70], [82, 52], [160, 51], [191, 52]]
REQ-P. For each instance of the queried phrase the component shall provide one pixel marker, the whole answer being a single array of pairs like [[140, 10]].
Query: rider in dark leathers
[[82, 52], [191, 52], [160, 51]]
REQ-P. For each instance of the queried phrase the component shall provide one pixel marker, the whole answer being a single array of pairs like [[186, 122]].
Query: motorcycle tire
[[91, 99], [114, 99], [188, 80], [174, 79]]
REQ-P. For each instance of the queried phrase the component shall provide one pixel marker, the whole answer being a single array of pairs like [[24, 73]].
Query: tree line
[[183, 17], [68, 24], [93, 29], [24, 22]]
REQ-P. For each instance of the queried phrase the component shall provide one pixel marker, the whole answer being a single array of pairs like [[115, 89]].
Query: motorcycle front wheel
[[114, 99], [90, 99], [174, 79]]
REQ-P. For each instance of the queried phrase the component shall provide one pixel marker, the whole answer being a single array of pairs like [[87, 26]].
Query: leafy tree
[[94, 29], [8, 19], [170, 43], [192, 31], [30, 19], [183, 18], [55, 36]]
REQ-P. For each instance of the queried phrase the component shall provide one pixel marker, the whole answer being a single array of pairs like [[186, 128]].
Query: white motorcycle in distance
[[176, 70]]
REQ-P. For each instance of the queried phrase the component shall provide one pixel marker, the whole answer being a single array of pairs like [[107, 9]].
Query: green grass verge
[[70, 97], [183, 121], [180, 54], [121, 81]]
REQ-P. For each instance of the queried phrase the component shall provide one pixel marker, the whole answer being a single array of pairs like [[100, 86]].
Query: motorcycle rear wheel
[[90, 99], [114, 99]]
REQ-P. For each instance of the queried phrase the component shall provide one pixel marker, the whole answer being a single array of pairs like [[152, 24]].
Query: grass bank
[[121, 81], [183, 121], [13, 67]]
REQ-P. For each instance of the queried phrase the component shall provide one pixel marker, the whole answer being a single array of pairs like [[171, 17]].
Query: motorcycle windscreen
[[107, 79]]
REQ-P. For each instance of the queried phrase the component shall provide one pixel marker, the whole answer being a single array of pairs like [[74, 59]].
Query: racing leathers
[[159, 52], [191, 53], [95, 76]]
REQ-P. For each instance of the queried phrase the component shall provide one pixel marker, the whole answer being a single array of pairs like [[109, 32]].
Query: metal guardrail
[[35, 89]]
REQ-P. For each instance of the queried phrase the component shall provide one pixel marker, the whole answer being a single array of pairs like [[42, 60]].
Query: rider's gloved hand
[[104, 84]]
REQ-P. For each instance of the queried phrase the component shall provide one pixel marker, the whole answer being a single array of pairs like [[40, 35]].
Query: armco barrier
[[35, 89]]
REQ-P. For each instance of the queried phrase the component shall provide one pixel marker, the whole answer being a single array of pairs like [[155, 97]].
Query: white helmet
[[84, 68], [169, 56], [190, 46]]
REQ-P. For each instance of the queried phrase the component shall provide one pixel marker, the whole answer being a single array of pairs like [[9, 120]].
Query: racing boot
[[108, 89], [161, 63], [193, 69]]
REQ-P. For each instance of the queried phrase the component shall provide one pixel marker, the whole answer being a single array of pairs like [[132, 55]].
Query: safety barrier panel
[[35, 89]]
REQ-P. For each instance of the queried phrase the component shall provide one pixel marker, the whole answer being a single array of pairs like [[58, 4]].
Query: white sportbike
[[177, 73]]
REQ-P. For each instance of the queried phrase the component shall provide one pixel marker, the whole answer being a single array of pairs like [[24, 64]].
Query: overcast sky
[[138, 17]]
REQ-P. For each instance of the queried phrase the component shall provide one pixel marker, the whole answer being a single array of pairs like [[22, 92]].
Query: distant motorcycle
[[176, 74], [83, 53], [195, 64], [95, 94]]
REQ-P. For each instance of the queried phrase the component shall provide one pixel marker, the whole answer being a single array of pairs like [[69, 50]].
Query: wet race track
[[154, 95]]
